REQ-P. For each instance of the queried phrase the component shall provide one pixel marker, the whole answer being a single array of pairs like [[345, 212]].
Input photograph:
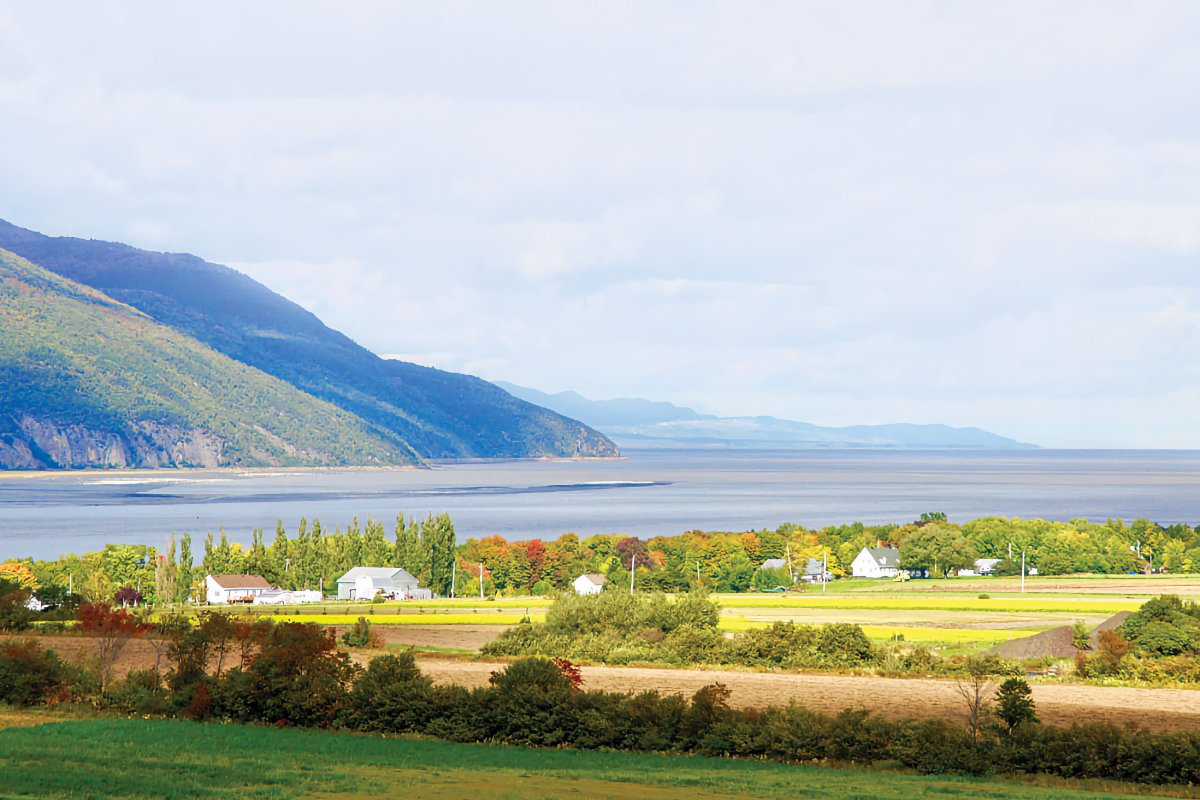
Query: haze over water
[[649, 493]]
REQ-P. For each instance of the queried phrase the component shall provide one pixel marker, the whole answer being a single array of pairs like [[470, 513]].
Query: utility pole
[[824, 570], [1022, 571], [453, 576], [480, 580], [791, 574], [697, 572], [632, 571]]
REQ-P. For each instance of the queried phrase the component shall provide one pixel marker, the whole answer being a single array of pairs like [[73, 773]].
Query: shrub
[[1081, 637], [361, 635], [298, 676], [391, 695], [142, 692], [15, 616], [31, 675]]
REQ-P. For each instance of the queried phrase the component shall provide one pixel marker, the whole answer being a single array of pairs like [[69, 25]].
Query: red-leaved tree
[[112, 628]]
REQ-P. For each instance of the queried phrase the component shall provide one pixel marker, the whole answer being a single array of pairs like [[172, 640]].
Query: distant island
[[634, 422], [116, 357]]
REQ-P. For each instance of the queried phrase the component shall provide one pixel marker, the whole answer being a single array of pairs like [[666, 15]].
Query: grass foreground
[[120, 758]]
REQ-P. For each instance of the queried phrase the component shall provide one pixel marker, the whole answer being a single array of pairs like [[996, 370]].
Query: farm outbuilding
[[590, 584], [363, 583]]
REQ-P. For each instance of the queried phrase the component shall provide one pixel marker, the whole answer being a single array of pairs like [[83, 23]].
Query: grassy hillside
[[439, 414], [82, 373], [104, 758]]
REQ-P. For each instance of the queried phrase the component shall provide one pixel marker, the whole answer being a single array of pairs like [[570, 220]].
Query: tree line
[[313, 557]]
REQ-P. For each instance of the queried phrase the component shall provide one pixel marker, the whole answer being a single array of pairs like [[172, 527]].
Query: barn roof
[[240, 581], [599, 580]]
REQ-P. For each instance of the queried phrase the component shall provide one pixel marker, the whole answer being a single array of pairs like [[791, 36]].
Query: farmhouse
[[814, 571], [363, 583], [235, 588], [876, 562], [590, 584]]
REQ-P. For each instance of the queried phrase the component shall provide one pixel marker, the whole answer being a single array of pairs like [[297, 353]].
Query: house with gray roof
[[363, 583], [876, 562]]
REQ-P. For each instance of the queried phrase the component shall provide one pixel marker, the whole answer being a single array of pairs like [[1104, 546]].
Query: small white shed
[[590, 584]]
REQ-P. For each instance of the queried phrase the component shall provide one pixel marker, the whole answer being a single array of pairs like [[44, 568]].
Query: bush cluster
[[619, 628]]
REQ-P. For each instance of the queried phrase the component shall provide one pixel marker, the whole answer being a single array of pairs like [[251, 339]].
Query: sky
[[982, 214]]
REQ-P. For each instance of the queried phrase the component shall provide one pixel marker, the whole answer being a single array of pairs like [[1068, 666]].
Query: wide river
[[648, 493]]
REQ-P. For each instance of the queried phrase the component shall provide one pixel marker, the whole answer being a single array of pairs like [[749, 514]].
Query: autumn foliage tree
[[112, 628]]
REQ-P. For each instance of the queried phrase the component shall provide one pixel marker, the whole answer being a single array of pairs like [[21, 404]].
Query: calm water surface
[[649, 493]]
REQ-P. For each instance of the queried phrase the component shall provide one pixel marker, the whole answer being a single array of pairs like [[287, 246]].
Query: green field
[[108, 758]]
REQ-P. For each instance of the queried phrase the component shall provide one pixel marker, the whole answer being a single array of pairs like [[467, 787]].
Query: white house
[[876, 562], [223, 589], [590, 584], [814, 571], [363, 583]]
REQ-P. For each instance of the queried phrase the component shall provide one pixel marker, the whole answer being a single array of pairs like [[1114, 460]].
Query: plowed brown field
[[1157, 709]]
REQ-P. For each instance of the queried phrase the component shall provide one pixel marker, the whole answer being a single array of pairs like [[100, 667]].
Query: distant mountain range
[[633, 422], [114, 356]]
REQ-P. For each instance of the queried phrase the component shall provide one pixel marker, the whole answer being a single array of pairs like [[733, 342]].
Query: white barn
[[363, 583], [222, 589], [876, 562], [590, 584]]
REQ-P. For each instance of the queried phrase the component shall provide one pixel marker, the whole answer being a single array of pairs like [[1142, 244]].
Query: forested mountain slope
[[88, 381], [440, 415]]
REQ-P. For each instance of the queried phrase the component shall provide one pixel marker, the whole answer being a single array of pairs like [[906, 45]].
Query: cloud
[[838, 212]]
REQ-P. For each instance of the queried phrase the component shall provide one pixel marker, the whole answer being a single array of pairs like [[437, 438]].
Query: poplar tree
[[354, 545], [183, 588], [277, 560], [298, 553], [375, 545], [315, 566], [209, 556], [224, 562]]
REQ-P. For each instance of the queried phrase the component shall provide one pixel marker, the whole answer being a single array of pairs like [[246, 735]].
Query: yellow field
[[910, 634], [406, 619], [999, 604]]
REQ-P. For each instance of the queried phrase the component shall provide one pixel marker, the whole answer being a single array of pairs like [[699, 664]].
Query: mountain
[[86, 380], [431, 413], [634, 422]]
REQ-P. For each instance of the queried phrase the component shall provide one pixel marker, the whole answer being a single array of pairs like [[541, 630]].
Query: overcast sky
[[841, 213]]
